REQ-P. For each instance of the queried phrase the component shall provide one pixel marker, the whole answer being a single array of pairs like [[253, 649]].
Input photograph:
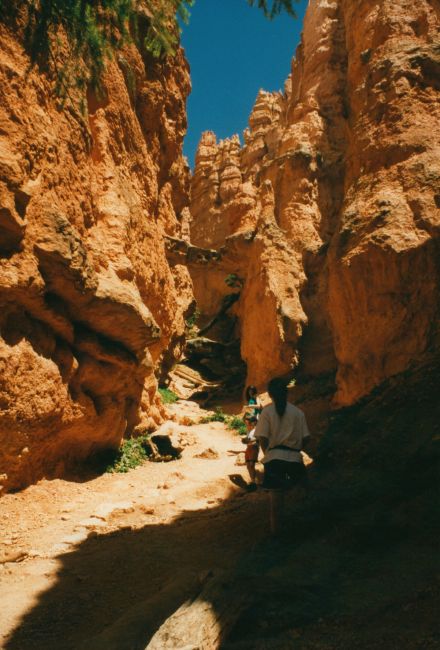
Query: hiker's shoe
[[251, 487]]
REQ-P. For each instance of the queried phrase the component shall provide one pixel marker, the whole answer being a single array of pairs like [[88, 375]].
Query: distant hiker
[[253, 405], [252, 449], [281, 431]]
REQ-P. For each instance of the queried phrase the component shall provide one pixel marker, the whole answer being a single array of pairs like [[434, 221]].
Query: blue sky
[[233, 51]]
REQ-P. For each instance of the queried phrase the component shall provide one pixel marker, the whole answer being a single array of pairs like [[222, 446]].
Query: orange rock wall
[[89, 305], [350, 148]]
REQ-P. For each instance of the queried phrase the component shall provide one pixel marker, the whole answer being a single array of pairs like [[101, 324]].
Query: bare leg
[[276, 511], [251, 469]]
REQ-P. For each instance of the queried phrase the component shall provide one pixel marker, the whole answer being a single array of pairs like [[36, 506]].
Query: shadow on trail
[[336, 573], [238, 480], [138, 576], [357, 556], [114, 590]]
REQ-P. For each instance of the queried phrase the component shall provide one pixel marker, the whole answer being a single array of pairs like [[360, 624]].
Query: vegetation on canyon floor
[[167, 395], [132, 453], [232, 421]]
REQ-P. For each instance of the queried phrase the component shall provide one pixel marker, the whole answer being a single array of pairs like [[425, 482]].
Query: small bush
[[132, 453], [167, 395], [234, 281], [192, 320], [237, 424], [231, 421], [216, 416]]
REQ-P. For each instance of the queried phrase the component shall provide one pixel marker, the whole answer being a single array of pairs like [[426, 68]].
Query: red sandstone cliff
[[341, 268], [90, 305]]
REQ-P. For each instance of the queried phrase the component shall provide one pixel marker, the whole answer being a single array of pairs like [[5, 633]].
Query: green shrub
[[215, 416], [231, 421], [236, 423], [192, 320], [132, 453], [93, 30], [167, 395], [234, 281]]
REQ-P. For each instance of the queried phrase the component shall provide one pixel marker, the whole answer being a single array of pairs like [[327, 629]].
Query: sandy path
[[93, 551]]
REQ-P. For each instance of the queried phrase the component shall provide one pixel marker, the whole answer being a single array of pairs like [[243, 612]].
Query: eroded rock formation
[[90, 306], [315, 243], [341, 268]]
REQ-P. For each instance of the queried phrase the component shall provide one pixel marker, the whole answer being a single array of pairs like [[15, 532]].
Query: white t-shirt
[[250, 438], [290, 431]]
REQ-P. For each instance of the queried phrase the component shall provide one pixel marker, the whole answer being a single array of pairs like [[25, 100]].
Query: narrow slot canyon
[[140, 297]]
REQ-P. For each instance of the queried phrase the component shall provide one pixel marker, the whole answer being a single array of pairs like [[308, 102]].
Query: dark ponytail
[[277, 389]]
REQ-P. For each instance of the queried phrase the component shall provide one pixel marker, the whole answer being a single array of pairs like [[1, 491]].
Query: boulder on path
[[168, 442], [208, 453]]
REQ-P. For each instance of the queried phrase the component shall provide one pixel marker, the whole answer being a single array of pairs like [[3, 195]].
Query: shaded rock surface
[[212, 348], [90, 305], [329, 212]]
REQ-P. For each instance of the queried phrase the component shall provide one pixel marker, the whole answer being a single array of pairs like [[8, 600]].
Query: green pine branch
[[272, 8], [74, 39]]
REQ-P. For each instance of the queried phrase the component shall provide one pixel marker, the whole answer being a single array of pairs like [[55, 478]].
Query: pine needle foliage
[[76, 38], [272, 8]]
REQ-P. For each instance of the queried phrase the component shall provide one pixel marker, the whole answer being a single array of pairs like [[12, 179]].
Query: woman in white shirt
[[282, 432]]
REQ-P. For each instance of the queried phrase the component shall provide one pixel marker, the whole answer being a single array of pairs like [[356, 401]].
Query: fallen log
[[137, 625], [202, 623]]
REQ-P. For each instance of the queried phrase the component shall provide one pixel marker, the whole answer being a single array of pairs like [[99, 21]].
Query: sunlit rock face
[[90, 306], [345, 280]]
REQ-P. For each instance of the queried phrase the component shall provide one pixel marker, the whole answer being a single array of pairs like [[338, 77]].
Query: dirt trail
[[85, 555], [105, 562]]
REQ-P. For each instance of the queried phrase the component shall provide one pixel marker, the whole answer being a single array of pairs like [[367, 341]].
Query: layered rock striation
[[90, 306], [341, 269]]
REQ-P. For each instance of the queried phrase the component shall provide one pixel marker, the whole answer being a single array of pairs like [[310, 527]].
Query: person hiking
[[253, 405], [282, 433], [252, 449]]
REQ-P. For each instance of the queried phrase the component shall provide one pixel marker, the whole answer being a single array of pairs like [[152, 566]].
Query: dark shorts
[[283, 475], [251, 453]]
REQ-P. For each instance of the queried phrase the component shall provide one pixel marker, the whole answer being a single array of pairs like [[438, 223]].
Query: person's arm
[[262, 430], [305, 434]]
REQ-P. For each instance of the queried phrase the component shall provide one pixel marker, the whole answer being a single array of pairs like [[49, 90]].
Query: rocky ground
[[103, 563], [77, 556]]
